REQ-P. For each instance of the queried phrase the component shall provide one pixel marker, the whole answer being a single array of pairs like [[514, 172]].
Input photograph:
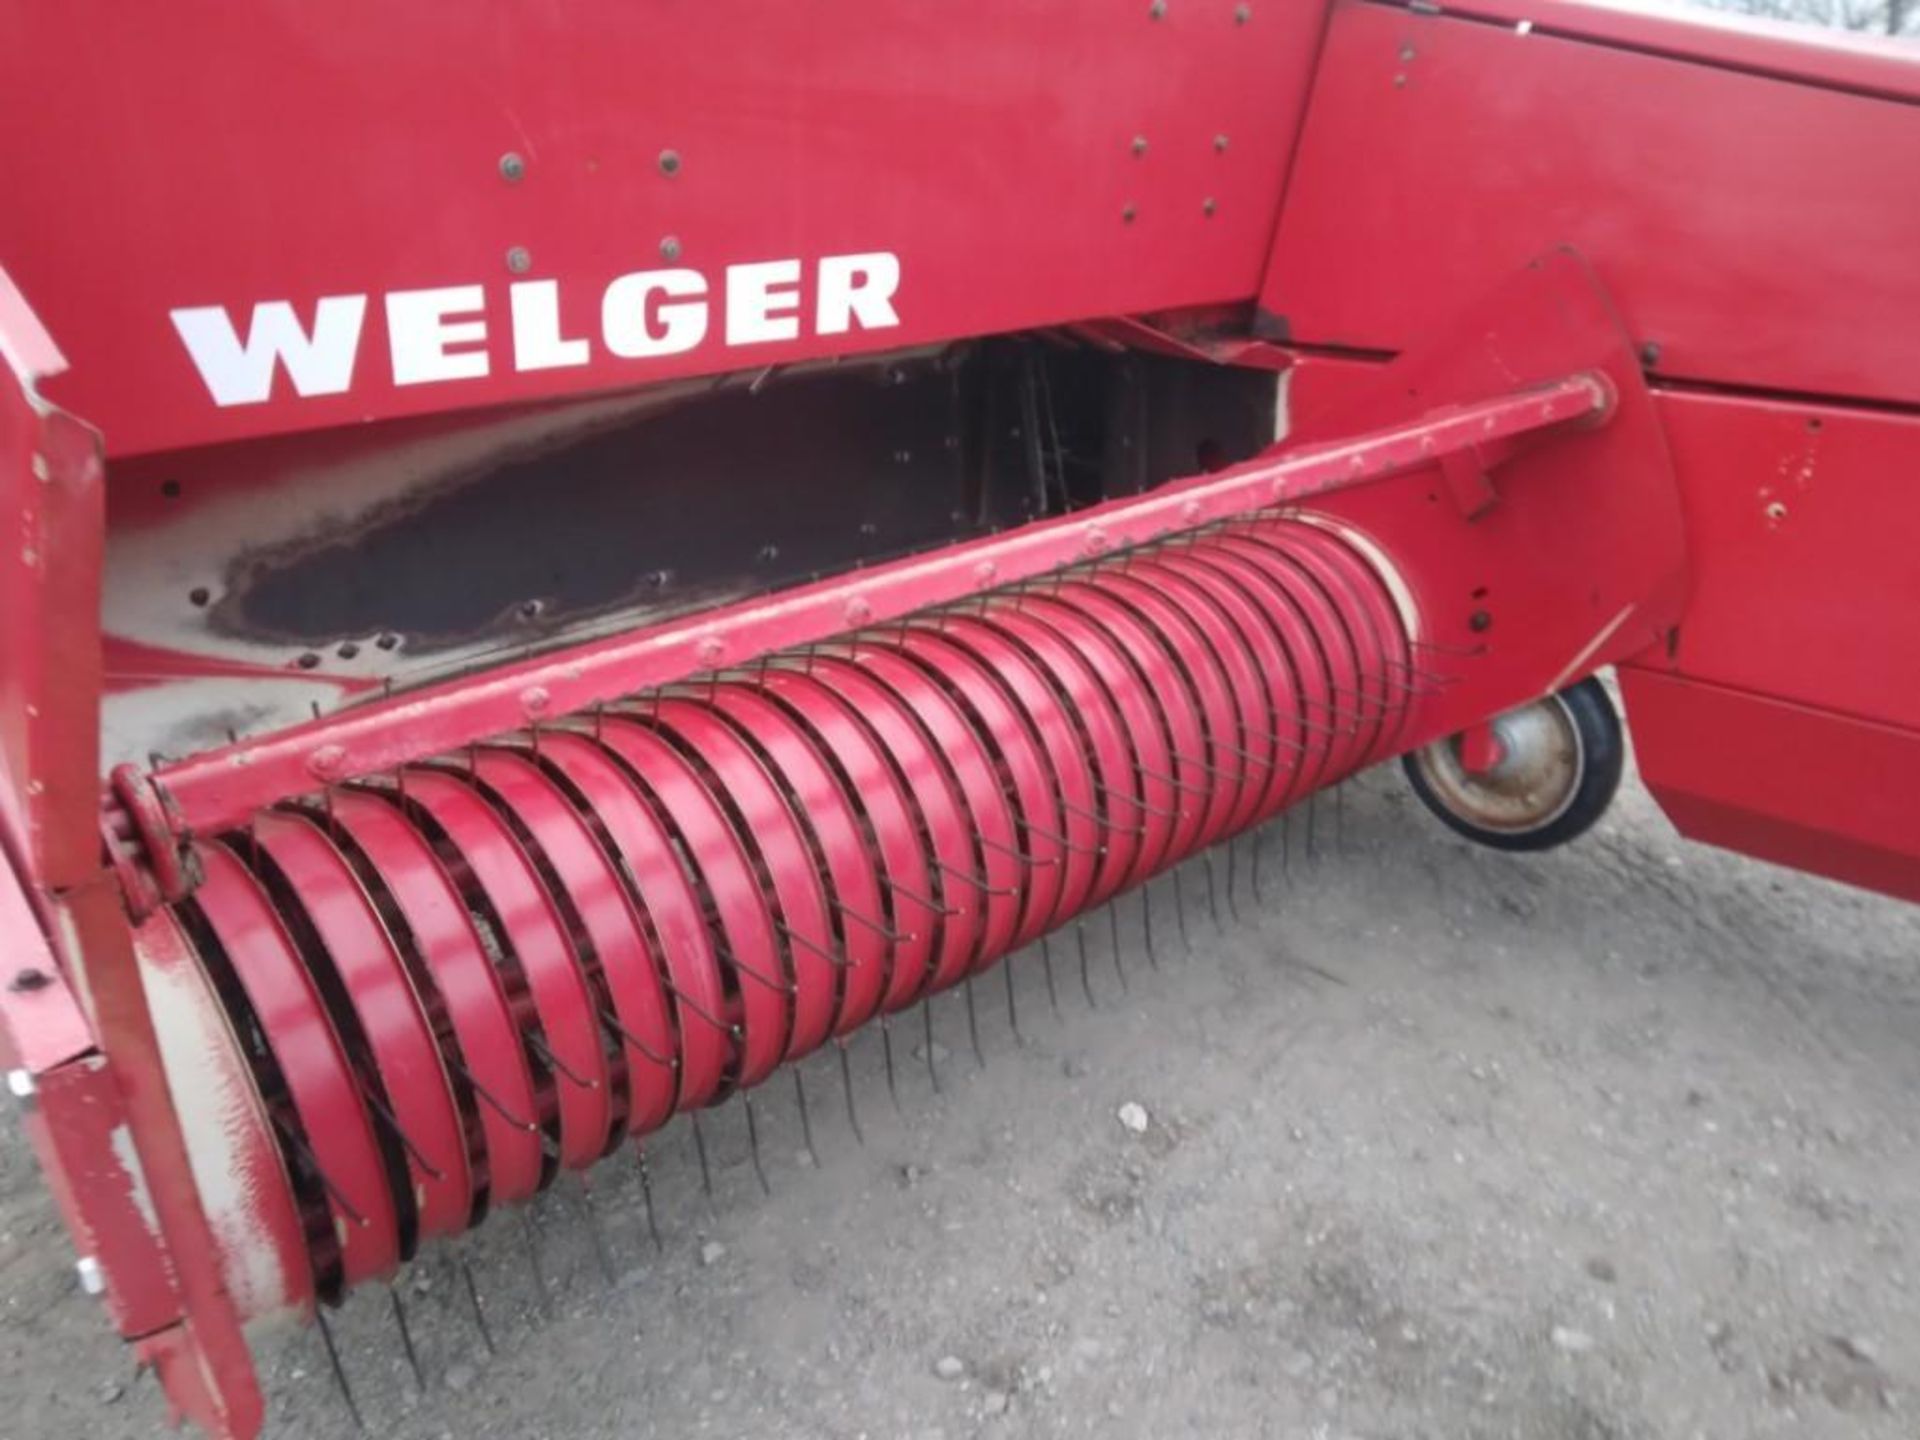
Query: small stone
[[711, 1252], [995, 1402], [803, 1158], [1133, 1117], [1601, 1269], [459, 1377], [1075, 1067], [949, 1367], [110, 1391], [1571, 1341]]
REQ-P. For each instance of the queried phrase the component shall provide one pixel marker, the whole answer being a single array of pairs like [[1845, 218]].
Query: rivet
[[512, 167], [669, 162], [519, 261], [670, 248], [1479, 621], [1220, 144], [1139, 144], [1127, 213], [1207, 206]]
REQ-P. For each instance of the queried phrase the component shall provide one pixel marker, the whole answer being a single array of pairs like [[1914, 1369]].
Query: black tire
[[1602, 752]]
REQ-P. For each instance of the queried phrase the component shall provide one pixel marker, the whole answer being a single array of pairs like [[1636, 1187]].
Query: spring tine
[[300, 1147], [530, 1232], [646, 1192], [406, 1337], [1022, 856], [1064, 842], [554, 1062], [473, 1299], [1080, 939], [1106, 821], [1311, 811], [846, 1087], [1013, 1010], [976, 881], [727, 955], [1258, 835], [786, 932], [753, 1144], [1274, 737], [867, 922], [923, 901], [1213, 899], [1146, 922], [1286, 845], [1180, 911], [1212, 770], [339, 1375], [591, 1213], [620, 1032], [933, 1071], [1233, 877], [1046, 961], [806, 1119], [1439, 649], [1340, 818], [1113, 928], [1320, 729], [1174, 781], [886, 1052], [700, 1149], [682, 998]]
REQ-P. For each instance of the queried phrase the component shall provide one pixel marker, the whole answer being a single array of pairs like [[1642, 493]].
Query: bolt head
[[1127, 213], [512, 168], [519, 260], [670, 248], [669, 162]]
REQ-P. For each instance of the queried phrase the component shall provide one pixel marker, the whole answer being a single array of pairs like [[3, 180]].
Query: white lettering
[[681, 313], [420, 327], [242, 374], [752, 302], [857, 288], [536, 328]]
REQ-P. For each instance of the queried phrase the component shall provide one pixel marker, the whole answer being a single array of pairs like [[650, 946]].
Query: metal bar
[[217, 790]]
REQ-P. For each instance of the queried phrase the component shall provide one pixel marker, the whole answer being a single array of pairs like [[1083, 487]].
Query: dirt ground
[[1617, 1142]]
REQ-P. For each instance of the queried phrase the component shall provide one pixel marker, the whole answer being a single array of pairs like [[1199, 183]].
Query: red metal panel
[[208, 155], [1743, 224], [1802, 787]]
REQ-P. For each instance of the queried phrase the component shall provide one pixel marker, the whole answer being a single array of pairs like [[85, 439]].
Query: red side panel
[[1747, 225], [223, 156]]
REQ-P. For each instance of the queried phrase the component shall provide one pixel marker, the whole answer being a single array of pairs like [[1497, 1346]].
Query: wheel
[[1550, 770]]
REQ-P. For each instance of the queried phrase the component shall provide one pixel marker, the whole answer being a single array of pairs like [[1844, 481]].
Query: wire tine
[[646, 1192], [1064, 842], [681, 997], [300, 1147], [1340, 818], [1174, 781], [473, 1299], [591, 1213], [1138, 804], [727, 955], [1213, 899], [1102, 820], [925, 902], [620, 1032], [846, 1087], [700, 1149], [1146, 923], [886, 1051], [1180, 911], [406, 1337], [1013, 1007], [1086, 980], [867, 922], [1233, 871], [926, 1015], [531, 1233], [1024, 857], [1468, 650], [792, 937], [553, 1061], [1046, 961], [753, 1144], [806, 1118], [1258, 836], [1312, 807], [1113, 928], [973, 1026], [978, 882], [339, 1374]]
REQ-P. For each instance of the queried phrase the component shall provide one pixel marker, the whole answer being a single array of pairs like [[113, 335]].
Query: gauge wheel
[[1530, 779]]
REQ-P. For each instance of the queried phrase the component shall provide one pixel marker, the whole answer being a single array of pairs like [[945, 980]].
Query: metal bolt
[[670, 248], [1650, 354], [1220, 144], [21, 1085], [93, 1279], [1480, 620], [669, 162], [1139, 144], [1207, 207], [512, 168], [519, 261]]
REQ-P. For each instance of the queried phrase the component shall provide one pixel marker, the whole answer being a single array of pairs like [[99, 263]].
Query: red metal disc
[[731, 893], [990, 840], [695, 1030], [335, 1127], [1076, 723], [407, 1068], [487, 1044], [603, 923], [948, 824], [555, 1010], [1055, 871], [826, 817], [873, 781], [1167, 813], [788, 878]]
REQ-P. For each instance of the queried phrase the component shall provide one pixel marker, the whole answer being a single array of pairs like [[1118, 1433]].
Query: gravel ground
[[1617, 1142]]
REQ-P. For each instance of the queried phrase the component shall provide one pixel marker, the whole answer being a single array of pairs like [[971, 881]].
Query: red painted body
[[1597, 340]]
